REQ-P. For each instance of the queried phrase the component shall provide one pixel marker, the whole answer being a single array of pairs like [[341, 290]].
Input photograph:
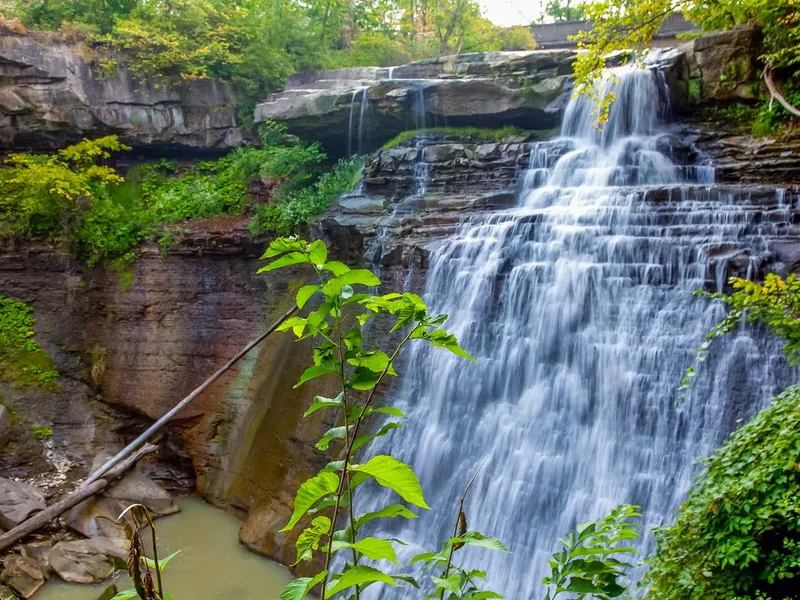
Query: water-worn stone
[[22, 574], [97, 516], [87, 561], [51, 96], [17, 502], [40, 552]]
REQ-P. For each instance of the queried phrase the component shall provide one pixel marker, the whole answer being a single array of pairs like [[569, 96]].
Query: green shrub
[[738, 534], [69, 198], [22, 359], [298, 207], [43, 433]]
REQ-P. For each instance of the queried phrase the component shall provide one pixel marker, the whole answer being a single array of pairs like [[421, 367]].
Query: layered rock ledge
[[52, 94]]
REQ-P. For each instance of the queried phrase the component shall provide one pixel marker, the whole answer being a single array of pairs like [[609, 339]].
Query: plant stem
[[455, 527], [348, 453]]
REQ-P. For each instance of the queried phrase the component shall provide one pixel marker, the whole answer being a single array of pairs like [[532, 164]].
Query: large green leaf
[[309, 493], [296, 324], [318, 253], [321, 402], [336, 267], [451, 584], [395, 475], [371, 547], [359, 277], [284, 244], [314, 372], [287, 260], [388, 512], [363, 439], [300, 588], [335, 433], [473, 538], [305, 293], [357, 576], [386, 410]]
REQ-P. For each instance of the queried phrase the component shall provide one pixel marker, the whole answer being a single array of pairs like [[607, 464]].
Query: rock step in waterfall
[[577, 300]]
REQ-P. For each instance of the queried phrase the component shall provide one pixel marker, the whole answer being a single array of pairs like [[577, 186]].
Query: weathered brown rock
[[22, 574], [40, 552], [97, 516], [87, 561], [51, 96], [17, 502]]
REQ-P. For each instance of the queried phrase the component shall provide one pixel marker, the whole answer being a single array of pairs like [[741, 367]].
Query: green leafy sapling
[[453, 581], [345, 305], [587, 566], [774, 303]]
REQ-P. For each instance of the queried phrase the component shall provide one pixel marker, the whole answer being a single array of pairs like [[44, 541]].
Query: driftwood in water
[[775, 93], [52, 512], [158, 425]]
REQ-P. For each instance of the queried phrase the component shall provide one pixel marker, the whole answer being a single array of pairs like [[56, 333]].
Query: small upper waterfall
[[578, 305]]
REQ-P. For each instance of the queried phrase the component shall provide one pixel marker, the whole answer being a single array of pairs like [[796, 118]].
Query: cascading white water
[[578, 305], [356, 131]]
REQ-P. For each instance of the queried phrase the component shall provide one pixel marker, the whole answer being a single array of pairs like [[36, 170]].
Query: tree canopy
[[257, 44]]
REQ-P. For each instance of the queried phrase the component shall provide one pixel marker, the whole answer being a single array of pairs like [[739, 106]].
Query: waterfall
[[354, 129], [578, 305]]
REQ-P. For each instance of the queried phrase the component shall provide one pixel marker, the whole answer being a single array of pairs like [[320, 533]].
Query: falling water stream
[[578, 305]]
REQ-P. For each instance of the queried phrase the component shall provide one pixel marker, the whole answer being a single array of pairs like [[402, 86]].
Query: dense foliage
[[70, 198], [620, 25], [587, 565], [257, 44], [738, 534], [327, 501], [22, 359]]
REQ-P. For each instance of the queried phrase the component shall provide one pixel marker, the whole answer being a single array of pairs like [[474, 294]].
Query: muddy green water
[[212, 563]]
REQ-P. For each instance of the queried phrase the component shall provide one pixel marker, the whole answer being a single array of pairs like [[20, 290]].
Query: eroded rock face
[[51, 95]]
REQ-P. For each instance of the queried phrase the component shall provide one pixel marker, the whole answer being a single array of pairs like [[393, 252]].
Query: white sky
[[511, 12]]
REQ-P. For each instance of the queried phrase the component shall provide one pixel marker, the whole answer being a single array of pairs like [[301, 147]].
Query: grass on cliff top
[[475, 133]]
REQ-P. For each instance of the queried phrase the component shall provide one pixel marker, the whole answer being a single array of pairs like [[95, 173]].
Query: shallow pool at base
[[212, 563]]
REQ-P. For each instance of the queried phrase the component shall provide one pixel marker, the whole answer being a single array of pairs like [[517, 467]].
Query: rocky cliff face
[[52, 94], [354, 110]]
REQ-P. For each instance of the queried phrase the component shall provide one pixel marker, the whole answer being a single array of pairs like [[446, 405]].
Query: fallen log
[[158, 425], [74, 498]]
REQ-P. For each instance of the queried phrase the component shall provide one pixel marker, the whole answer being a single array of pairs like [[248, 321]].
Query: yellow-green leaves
[[357, 576], [387, 512], [372, 548], [309, 539], [311, 492], [301, 587], [395, 475]]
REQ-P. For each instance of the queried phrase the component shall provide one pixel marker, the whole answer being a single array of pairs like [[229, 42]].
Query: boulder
[[88, 561], [40, 552], [17, 502], [22, 574], [97, 516]]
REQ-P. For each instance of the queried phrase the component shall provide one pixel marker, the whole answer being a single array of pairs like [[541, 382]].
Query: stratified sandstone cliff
[[53, 94]]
